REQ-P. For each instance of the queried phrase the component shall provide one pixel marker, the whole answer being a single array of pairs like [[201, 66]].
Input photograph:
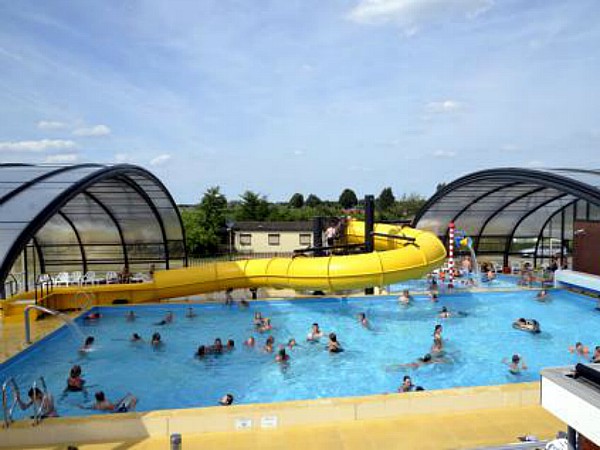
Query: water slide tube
[[392, 261]]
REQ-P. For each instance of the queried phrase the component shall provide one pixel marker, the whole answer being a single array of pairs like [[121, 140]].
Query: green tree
[[297, 200], [411, 204], [204, 224], [253, 207], [386, 199], [312, 201], [440, 186], [348, 199]]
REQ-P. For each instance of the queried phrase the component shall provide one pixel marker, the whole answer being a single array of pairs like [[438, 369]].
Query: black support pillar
[[369, 228], [318, 235]]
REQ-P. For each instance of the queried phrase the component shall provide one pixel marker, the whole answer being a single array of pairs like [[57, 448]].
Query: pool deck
[[463, 418], [464, 430]]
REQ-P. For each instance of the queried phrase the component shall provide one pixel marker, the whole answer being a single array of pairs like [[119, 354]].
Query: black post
[[572, 438], [369, 227], [318, 235], [369, 223]]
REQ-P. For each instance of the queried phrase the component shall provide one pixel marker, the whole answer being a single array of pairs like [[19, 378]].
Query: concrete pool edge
[[264, 416]]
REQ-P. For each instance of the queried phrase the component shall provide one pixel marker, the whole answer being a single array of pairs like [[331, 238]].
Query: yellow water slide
[[392, 261], [401, 253]]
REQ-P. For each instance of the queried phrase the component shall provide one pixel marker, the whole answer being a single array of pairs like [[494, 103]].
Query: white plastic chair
[[138, 278], [62, 279], [112, 278], [76, 278], [89, 278]]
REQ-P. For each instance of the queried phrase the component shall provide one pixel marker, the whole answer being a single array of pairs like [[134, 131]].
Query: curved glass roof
[[87, 216], [501, 205]]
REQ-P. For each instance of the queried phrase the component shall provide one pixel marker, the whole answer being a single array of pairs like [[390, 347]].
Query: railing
[[61, 316], [11, 285], [38, 413], [45, 285], [6, 409]]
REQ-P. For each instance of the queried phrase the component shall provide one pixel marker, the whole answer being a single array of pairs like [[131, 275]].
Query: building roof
[[274, 226], [85, 214], [500, 205]]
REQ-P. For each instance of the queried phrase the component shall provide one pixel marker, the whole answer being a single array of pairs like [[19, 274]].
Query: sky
[[310, 96]]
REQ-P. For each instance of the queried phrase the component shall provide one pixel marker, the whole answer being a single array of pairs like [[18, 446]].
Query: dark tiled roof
[[274, 226]]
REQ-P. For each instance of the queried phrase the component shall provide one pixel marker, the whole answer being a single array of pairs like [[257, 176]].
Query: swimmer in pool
[[266, 325], [136, 338], [433, 296], [190, 314], [530, 325], [250, 342], [407, 385], [201, 352], [87, 345], [126, 404], [269, 344], [282, 356], [542, 296], [362, 319], [315, 333], [217, 347], [75, 383], [516, 364], [405, 298], [93, 316], [333, 346], [258, 319], [156, 340], [226, 400], [244, 303], [167, 320], [579, 349], [424, 360], [437, 332], [42, 402], [292, 343], [230, 345], [130, 316], [444, 313]]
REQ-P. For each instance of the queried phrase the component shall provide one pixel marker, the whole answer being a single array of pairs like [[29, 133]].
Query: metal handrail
[[8, 411], [38, 412]]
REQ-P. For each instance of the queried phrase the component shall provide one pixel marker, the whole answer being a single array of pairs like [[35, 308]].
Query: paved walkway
[[486, 427]]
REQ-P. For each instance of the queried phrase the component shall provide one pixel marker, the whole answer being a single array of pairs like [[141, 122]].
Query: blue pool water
[[420, 285], [172, 378]]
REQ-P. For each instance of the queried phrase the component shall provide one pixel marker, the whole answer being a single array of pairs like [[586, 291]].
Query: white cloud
[[36, 146], [160, 160], [62, 158], [445, 106], [444, 154], [51, 125], [94, 131], [411, 15], [298, 152]]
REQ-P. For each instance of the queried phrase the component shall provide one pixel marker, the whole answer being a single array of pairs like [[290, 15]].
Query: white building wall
[[288, 241]]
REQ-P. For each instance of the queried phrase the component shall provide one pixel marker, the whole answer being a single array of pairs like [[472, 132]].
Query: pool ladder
[[8, 408]]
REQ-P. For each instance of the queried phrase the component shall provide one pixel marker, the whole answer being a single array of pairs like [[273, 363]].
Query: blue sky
[[279, 96]]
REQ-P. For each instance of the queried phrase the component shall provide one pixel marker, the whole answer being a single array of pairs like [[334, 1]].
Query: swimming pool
[[171, 377], [501, 282]]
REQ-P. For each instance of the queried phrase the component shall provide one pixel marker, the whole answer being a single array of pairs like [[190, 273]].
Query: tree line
[[207, 223]]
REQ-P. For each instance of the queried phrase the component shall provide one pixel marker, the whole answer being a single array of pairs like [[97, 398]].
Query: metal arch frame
[[523, 218], [68, 194], [512, 201], [136, 187], [78, 237], [562, 183], [545, 224], [112, 217], [41, 178]]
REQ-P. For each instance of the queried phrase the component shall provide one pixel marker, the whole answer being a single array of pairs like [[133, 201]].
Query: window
[[273, 239], [305, 239], [245, 239]]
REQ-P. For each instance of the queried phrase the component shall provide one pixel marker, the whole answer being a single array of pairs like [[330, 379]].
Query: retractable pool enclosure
[[86, 217], [516, 212]]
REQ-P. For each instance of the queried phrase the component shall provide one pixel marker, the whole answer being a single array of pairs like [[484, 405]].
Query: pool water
[[500, 282], [170, 377]]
